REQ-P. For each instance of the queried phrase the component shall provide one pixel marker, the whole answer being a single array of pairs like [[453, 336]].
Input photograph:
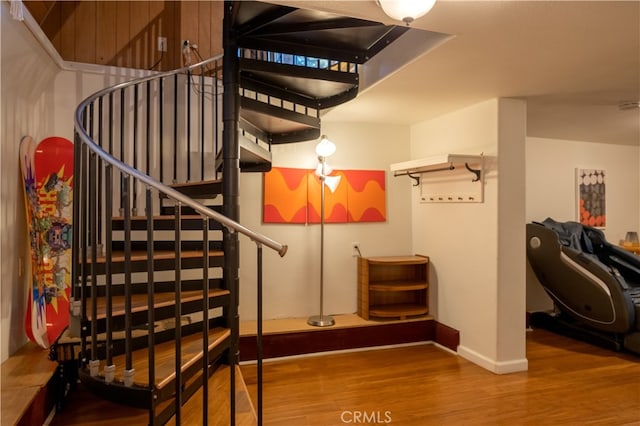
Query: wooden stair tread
[[199, 189], [141, 255], [165, 357], [139, 301], [159, 217], [196, 183]]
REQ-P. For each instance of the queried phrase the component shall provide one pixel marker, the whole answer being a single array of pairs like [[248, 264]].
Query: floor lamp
[[324, 149]]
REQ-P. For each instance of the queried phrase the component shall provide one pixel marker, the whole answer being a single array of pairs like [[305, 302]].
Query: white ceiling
[[573, 61]]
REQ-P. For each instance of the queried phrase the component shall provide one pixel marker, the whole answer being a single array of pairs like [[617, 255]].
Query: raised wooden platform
[[28, 384], [293, 336]]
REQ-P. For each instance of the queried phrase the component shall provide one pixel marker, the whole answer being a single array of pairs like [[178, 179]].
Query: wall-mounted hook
[[474, 171], [415, 178]]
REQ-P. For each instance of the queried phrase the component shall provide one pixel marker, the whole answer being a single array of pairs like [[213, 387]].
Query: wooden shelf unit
[[393, 286]]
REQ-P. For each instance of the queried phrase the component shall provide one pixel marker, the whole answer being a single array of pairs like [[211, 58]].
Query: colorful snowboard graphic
[[48, 180]]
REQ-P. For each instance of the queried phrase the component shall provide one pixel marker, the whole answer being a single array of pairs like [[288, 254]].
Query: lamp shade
[[332, 182], [325, 148], [406, 10]]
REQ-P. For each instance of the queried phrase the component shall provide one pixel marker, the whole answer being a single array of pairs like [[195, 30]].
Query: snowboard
[[47, 169]]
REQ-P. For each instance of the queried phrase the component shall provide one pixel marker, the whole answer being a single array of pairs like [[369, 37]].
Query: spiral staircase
[[156, 232]]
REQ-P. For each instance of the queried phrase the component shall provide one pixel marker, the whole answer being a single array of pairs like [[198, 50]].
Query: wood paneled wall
[[125, 33]]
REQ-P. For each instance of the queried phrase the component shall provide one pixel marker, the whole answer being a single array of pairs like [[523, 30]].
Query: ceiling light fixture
[[629, 105], [406, 11]]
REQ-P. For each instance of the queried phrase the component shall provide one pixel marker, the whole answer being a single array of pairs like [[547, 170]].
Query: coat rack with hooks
[[450, 183]]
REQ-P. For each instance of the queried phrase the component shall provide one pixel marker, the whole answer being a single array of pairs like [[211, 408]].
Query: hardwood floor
[[85, 409], [568, 383]]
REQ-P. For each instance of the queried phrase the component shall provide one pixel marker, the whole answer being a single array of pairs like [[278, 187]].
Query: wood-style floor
[[85, 409], [568, 383]]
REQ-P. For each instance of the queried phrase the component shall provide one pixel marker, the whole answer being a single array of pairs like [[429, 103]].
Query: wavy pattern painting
[[285, 196], [335, 203], [366, 196], [293, 196]]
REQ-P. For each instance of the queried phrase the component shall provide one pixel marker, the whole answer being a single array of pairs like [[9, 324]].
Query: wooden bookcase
[[393, 286]]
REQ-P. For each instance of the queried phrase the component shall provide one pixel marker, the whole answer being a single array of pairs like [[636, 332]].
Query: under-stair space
[[155, 232]]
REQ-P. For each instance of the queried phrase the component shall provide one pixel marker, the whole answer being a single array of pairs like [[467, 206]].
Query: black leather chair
[[595, 286]]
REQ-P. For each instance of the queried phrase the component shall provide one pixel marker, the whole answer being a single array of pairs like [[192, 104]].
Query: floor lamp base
[[321, 321]]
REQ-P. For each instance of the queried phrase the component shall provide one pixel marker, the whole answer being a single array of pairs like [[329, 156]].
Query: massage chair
[[594, 285]]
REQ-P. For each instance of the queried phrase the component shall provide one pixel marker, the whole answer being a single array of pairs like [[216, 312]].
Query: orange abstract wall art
[[335, 203], [285, 196], [293, 196], [366, 196]]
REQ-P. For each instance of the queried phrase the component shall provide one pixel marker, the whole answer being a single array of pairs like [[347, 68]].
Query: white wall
[[28, 108], [465, 241], [291, 284], [550, 190]]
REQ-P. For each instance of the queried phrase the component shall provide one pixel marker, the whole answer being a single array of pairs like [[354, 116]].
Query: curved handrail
[[230, 224]]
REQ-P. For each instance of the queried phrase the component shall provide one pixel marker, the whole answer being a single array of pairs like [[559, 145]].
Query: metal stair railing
[[131, 141], [299, 60]]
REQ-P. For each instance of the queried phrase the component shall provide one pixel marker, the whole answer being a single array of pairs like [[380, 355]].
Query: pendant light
[[406, 11]]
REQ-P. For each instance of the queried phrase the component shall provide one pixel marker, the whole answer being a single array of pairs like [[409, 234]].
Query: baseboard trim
[[498, 367], [447, 336], [344, 351]]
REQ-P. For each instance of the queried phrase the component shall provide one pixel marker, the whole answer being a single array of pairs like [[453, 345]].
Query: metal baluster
[[94, 258], [111, 126], [205, 320], [202, 123], [126, 201], [259, 333], [110, 368], [178, 312], [175, 128], [188, 129], [160, 129], [90, 116], [148, 128], [84, 158], [100, 193], [75, 264], [122, 156], [135, 147], [151, 304], [108, 215]]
